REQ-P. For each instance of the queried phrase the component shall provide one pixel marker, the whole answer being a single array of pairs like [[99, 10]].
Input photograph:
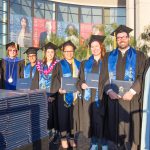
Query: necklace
[[46, 72], [10, 79]]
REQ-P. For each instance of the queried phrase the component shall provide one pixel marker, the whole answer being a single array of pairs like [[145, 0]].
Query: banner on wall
[[21, 30], [68, 31], [42, 30]]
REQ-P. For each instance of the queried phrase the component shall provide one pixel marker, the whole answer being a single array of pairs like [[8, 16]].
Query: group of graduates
[[101, 114]]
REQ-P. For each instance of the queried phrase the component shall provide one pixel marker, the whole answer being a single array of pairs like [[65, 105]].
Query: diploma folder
[[121, 86], [69, 84], [23, 83], [92, 80]]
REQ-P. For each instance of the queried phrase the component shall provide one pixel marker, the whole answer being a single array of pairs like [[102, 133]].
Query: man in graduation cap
[[145, 134], [67, 108], [12, 67], [30, 70], [124, 63]]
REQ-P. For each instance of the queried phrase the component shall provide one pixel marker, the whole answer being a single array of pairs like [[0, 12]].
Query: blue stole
[[11, 64], [88, 69], [130, 69], [27, 69], [45, 80], [145, 132], [66, 71]]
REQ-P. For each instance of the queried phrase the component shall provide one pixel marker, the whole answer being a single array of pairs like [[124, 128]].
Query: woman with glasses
[[67, 104], [30, 70], [12, 67]]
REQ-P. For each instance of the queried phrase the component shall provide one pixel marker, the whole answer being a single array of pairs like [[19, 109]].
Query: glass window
[[15, 9], [73, 18], [62, 17], [26, 11], [49, 14], [107, 12], [112, 11], [27, 3], [121, 20], [62, 8], [96, 11], [96, 19], [1, 16], [0, 28], [86, 10], [73, 9], [107, 20], [85, 18], [48, 6], [120, 12], [1, 5], [39, 5], [16, 1], [39, 13]]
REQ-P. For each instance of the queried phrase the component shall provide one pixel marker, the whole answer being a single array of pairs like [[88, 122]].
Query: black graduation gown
[[67, 116], [20, 72], [147, 64], [91, 116], [35, 79], [123, 119]]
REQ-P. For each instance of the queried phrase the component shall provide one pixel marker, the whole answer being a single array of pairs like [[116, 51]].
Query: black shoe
[[56, 139]]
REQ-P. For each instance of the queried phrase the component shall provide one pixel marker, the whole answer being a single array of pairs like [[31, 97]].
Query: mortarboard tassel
[[115, 44]]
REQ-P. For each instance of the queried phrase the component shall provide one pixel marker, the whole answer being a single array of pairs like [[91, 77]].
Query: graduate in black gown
[[12, 67], [30, 70], [91, 107], [123, 118], [45, 69], [67, 108]]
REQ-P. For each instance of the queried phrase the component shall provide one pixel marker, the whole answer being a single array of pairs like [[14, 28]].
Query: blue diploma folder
[[23, 83]]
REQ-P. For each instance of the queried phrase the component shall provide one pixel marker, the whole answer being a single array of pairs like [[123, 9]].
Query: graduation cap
[[62, 46], [121, 28], [99, 38], [12, 44], [50, 45], [31, 50]]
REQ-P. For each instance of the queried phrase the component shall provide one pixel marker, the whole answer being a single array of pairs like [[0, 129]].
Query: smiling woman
[[67, 104], [30, 70]]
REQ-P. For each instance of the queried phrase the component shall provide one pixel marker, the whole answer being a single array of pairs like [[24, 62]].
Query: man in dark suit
[[46, 35]]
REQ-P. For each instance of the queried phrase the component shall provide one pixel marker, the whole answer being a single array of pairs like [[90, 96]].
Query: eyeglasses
[[122, 38], [31, 56], [12, 50], [68, 51]]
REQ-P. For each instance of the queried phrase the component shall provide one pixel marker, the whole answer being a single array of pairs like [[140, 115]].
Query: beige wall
[[142, 15], [130, 14], [107, 3]]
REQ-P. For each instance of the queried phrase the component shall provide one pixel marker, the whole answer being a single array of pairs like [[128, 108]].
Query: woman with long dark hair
[[45, 69], [24, 38]]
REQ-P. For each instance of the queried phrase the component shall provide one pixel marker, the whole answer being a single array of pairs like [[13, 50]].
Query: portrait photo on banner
[[21, 30], [43, 30]]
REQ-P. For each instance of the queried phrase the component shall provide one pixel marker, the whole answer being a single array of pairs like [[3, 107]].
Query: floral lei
[[39, 67]]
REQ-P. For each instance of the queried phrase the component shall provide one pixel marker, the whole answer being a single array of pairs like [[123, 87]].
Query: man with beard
[[123, 120]]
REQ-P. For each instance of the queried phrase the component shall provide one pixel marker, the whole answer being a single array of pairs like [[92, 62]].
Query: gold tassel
[[115, 44]]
